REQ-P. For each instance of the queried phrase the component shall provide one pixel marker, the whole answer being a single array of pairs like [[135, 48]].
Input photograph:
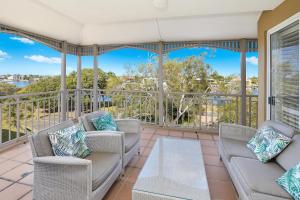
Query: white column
[[78, 86], [95, 83], [243, 114], [160, 85], [63, 85]]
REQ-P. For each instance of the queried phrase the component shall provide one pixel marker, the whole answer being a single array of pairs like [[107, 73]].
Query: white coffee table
[[174, 170]]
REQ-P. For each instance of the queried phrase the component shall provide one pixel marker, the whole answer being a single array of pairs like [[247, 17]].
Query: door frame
[[290, 20]]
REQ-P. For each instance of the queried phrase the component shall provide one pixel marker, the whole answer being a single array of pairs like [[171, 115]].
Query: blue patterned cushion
[[267, 143], [105, 122], [290, 181], [70, 142]]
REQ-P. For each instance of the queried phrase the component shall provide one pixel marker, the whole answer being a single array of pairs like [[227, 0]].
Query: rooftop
[[16, 168]]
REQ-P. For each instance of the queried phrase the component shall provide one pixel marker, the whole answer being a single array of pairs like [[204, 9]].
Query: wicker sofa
[[130, 129], [252, 179], [71, 178]]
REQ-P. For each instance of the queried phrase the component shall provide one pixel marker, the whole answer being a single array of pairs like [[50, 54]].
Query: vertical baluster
[[177, 116], [25, 118], [49, 111], [54, 110], [212, 112], [230, 110], [38, 115], [72, 110], [166, 110], [206, 111], [44, 112], [256, 120], [155, 106], [237, 110], [172, 115], [200, 112], [18, 117], [32, 116], [91, 103], [59, 109], [126, 106], [250, 110], [140, 106], [188, 114], [67, 107], [218, 112], [9, 121], [0, 123]]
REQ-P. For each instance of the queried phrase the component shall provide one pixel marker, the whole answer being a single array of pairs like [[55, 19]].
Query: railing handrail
[[15, 96]]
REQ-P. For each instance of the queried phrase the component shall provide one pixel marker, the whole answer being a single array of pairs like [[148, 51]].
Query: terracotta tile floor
[[16, 169]]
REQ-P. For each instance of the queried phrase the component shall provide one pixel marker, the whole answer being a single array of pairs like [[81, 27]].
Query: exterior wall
[[267, 20]]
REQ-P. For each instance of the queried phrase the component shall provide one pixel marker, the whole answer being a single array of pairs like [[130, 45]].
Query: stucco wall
[[267, 20]]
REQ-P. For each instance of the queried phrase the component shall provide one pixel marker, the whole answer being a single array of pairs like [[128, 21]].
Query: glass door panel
[[284, 75]]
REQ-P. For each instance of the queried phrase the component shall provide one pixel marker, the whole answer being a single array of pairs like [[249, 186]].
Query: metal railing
[[206, 111], [25, 114]]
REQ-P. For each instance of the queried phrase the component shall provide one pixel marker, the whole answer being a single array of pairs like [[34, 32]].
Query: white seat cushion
[[102, 166], [258, 177]]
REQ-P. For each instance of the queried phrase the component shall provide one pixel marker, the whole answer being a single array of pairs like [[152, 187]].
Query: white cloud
[[44, 59], [252, 60], [3, 55], [23, 40]]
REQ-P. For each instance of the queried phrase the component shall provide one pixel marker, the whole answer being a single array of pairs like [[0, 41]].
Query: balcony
[[93, 28]]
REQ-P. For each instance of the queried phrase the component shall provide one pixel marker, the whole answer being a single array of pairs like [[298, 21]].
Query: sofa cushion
[[70, 141], [40, 141], [103, 164], [290, 181], [105, 122], [87, 120], [255, 176], [290, 156], [130, 140], [235, 148], [267, 143], [283, 128]]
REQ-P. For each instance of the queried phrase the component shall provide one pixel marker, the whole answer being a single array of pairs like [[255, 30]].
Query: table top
[[174, 168]]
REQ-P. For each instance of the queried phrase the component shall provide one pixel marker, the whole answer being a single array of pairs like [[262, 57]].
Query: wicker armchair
[[130, 129], [71, 178]]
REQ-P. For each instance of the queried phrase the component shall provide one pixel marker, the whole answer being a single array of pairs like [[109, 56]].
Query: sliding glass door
[[283, 100]]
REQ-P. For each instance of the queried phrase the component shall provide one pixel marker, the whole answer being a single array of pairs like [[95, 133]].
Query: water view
[[20, 84]]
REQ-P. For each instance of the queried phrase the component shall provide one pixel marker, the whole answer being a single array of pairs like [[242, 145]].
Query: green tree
[[7, 89]]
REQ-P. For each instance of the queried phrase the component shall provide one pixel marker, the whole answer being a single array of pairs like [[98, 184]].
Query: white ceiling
[[133, 21]]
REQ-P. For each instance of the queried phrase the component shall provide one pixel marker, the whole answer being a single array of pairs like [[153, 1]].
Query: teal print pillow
[[70, 142], [267, 143], [105, 122], [290, 181]]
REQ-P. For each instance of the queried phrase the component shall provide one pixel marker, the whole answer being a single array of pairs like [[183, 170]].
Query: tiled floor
[[16, 169]]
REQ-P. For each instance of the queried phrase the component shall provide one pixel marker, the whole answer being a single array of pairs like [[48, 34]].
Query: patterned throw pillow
[[105, 122], [290, 181], [267, 143], [70, 142]]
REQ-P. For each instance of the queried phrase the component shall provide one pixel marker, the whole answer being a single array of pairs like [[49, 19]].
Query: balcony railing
[[25, 114]]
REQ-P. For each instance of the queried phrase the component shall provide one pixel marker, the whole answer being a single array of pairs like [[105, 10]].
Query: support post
[[78, 86], [95, 83], [160, 85], [243, 45], [63, 85]]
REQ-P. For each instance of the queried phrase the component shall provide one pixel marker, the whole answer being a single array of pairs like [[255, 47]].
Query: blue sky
[[22, 56]]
